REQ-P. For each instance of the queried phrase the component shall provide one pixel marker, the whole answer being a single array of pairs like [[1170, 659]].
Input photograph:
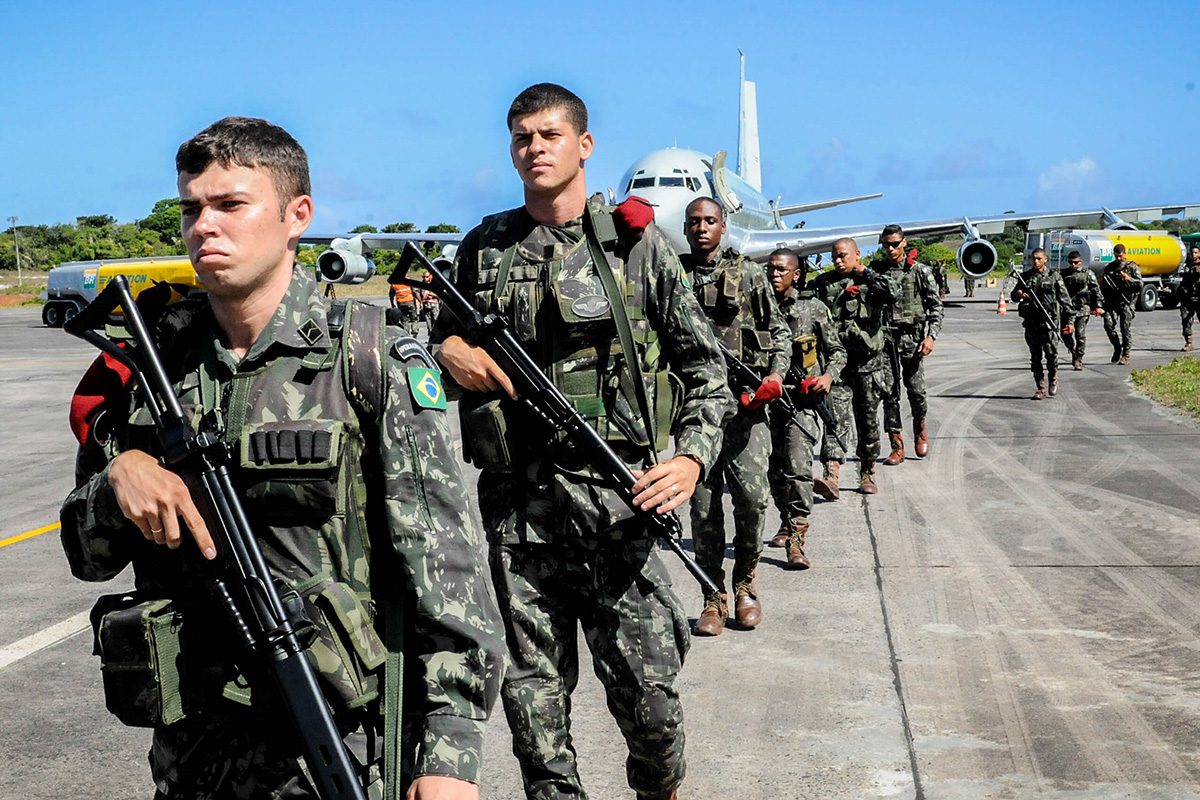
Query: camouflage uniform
[[858, 317], [816, 350], [968, 286], [565, 552], [840, 401], [1120, 298], [916, 313], [1189, 298], [1042, 336], [333, 494], [1084, 290], [740, 306], [941, 279]]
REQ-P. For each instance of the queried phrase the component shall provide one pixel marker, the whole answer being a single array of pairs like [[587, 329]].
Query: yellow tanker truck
[[71, 286], [1158, 254]]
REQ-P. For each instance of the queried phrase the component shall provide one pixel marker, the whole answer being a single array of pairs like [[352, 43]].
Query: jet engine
[[344, 262], [976, 257]]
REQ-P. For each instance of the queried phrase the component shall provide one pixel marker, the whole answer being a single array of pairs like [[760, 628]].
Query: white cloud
[[1071, 183]]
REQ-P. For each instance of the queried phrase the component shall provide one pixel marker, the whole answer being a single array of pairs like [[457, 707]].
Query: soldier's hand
[[472, 368], [442, 787], [666, 486], [821, 384], [154, 499], [1068, 330], [1099, 312], [926, 346]]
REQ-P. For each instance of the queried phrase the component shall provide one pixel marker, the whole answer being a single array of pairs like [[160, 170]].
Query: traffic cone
[[1001, 306]]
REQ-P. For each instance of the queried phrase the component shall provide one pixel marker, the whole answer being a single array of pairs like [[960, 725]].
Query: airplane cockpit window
[[673, 181], [693, 184], [642, 183]]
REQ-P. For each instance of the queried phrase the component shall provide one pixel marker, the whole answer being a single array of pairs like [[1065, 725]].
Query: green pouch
[[138, 644], [487, 439], [347, 651]]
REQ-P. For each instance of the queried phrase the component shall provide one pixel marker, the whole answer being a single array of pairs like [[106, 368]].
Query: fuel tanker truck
[[71, 286], [1158, 254]]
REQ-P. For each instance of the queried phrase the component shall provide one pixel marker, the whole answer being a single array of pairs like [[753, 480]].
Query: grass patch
[[1176, 384]]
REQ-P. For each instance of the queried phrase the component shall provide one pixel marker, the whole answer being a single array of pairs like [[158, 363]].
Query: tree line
[[100, 236]]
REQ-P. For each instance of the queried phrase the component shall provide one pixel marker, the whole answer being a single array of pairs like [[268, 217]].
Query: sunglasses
[[1075, 263], [891, 245]]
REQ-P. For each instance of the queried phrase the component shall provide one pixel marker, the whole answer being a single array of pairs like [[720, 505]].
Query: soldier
[[916, 321], [968, 285], [1084, 289], [1120, 284], [817, 361], [564, 551], [261, 362], [857, 298], [1189, 295], [941, 278], [741, 309], [1045, 306], [407, 301], [833, 455]]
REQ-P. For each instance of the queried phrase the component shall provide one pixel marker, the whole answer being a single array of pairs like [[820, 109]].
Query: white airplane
[[672, 178]]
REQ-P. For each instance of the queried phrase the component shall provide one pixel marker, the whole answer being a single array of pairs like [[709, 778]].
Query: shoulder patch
[[407, 348], [425, 383]]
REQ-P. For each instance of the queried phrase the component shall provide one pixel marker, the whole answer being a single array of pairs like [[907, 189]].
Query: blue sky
[[947, 108]]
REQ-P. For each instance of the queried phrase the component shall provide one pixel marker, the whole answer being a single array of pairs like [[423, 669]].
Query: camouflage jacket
[[1115, 290], [1189, 285], [857, 303], [1050, 290], [740, 306], [557, 308], [918, 305], [333, 494], [816, 348], [1083, 287]]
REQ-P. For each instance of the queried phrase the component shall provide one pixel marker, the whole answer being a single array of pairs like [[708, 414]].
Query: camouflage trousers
[[791, 465], [551, 581], [839, 406], [1187, 312], [409, 316], [868, 389], [1043, 347], [912, 375], [742, 465], [1076, 341], [1118, 324], [245, 754]]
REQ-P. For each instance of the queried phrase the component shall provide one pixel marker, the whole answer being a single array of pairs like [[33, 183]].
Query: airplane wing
[[348, 258], [784, 211], [758, 244], [383, 241]]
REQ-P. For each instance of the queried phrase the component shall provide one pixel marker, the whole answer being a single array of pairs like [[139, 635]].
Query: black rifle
[[820, 404], [1051, 323], [243, 587], [892, 348], [547, 403], [744, 373]]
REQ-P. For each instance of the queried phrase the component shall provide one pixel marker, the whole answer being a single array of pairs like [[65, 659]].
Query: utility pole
[[17, 247]]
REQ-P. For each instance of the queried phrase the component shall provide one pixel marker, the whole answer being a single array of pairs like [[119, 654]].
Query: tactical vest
[[727, 297], [909, 308], [798, 313], [1042, 284], [859, 321], [560, 307], [1078, 283]]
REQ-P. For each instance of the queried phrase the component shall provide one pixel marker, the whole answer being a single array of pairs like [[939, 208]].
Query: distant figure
[[817, 361], [942, 278], [1120, 284], [1084, 288], [968, 286], [916, 321], [406, 302], [1045, 307], [1189, 295]]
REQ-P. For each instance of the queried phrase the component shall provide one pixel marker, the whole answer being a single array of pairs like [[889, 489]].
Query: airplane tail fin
[[749, 162]]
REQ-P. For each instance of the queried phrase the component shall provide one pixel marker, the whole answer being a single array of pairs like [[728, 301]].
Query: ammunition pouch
[[490, 440], [347, 651], [138, 642], [804, 349]]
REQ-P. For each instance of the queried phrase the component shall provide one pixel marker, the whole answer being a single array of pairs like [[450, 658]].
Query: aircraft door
[[725, 194]]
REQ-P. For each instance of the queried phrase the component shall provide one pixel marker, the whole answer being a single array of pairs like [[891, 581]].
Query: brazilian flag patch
[[426, 387]]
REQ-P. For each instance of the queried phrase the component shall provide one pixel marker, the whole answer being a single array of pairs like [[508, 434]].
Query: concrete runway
[[1014, 617]]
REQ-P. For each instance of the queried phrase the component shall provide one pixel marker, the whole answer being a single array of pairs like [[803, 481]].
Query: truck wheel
[[1148, 299], [52, 315], [69, 313]]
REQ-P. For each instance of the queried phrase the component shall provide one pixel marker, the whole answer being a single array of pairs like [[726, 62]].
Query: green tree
[[164, 219]]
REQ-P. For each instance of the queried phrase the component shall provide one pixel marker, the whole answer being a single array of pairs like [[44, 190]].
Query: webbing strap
[[393, 705]]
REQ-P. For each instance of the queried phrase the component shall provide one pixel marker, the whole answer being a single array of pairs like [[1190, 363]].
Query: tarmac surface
[[1015, 616]]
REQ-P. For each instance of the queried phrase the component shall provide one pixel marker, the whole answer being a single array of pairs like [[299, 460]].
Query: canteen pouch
[[488, 436], [138, 644], [806, 346], [347, 650]]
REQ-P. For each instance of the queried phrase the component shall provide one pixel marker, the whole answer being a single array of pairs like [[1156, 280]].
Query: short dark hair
[[1120, 248], [888, 230], [1037, 250], [544, 96], [1074, 254], [249, 142], [699, 200], [787, 253]]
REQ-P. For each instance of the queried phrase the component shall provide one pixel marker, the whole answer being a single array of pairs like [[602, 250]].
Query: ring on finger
[[156, 531]]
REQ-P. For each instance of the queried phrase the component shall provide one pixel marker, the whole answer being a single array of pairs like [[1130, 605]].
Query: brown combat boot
[[795, 546], [1040, 392], [1124, 358], [1077, 363], [781, 538], [866, 482], [712, 618], [897, 454], [827, 486], [1116, 356], [746, 607], [1187, 345], [921, 438], [1053, 390]]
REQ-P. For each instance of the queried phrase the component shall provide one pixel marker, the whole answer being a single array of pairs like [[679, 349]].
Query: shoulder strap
[[599, 227]]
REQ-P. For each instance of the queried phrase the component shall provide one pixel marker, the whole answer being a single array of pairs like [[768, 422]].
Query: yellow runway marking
[[20, 537]]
